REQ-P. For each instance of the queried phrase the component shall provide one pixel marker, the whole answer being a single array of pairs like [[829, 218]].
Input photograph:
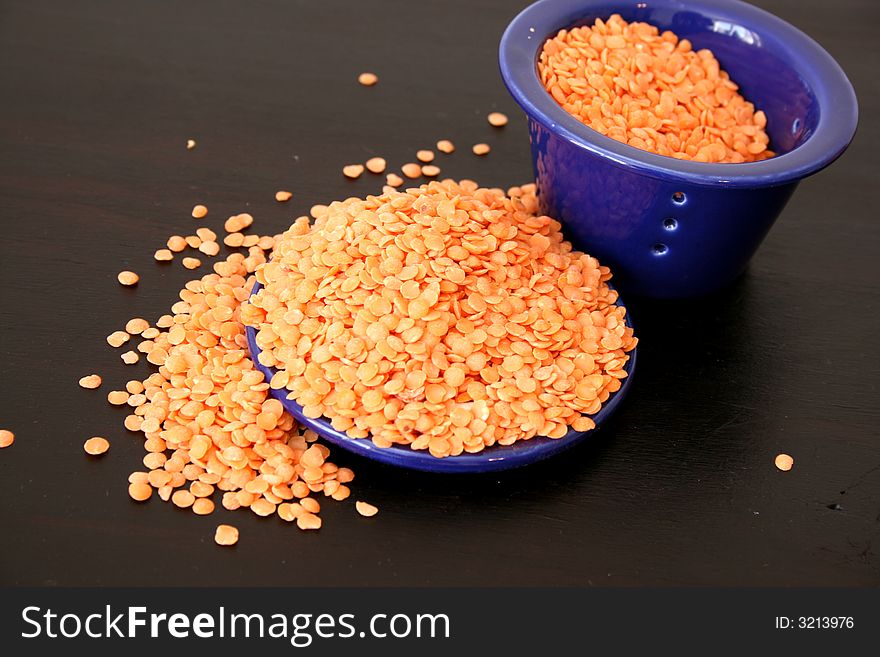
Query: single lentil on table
[[651, 90], [446, 317], [497, 119], [96, 446], [784, 462], [90, 381], [127, 278]]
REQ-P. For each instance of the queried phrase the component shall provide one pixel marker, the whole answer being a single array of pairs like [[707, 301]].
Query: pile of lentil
[[652, 91], [446, 317], [207, 417]]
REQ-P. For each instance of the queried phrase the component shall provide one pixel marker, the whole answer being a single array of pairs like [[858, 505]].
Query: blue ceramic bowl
[[498, 457], [672, 228]]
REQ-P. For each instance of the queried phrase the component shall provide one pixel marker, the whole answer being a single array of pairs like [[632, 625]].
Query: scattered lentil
[[192, 263], [90, 381], [411, 170], [163, 255], [130, 357], [202, 506], [207, 417], [6, 438], [226, 535], [393, 180], [206, 234], [308, 521], [176, 243], [140, 491], [136, 326], [199, 211], [353, 171], [182, 498], [118, 338], [282, 196], [368, 79], [234, 240], [445, 146], [481, 149], [365, 509], [238, 222], [127, 278], [430, 171], [652, 91], [96, 446], [497, 119], [376, 164], [190, 144], [425, 156], [210, 248], [134, 386], [117, 397], [784, 462]]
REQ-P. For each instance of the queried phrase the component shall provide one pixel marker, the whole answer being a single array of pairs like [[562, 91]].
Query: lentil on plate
[[446, 317]]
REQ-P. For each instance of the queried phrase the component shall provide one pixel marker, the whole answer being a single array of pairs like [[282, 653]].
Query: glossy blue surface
[[673, 228], [498, 457]]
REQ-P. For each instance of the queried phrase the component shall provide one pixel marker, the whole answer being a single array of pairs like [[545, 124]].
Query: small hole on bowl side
[[670, 224], [796, 126], [659, 249], [678, 198]]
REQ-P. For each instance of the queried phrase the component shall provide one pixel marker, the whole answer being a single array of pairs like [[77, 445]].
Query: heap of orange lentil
[[207, 417], [446, 317], [652, 91]]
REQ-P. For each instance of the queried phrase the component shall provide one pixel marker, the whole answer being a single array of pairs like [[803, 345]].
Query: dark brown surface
[[97, 100]]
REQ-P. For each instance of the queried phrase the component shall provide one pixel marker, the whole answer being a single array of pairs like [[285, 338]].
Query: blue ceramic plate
[[497, 457]]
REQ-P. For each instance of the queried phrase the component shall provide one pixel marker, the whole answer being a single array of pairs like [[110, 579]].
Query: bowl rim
[[835, 130], [490, 459]]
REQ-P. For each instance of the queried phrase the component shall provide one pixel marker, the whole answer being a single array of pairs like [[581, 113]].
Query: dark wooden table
[[97, 100]]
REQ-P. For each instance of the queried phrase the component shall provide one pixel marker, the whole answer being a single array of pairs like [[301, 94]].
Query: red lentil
[[411, 170], [353, 170], [784, 462], [96, 446], [127, 278], [497, 119], [376, 164], [465, 319], [652, 91], [365, 509], [90, 381], [226, 535]]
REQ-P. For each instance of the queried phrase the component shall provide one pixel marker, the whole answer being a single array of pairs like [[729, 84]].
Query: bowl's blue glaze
[[498, 457], [674, 228]]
